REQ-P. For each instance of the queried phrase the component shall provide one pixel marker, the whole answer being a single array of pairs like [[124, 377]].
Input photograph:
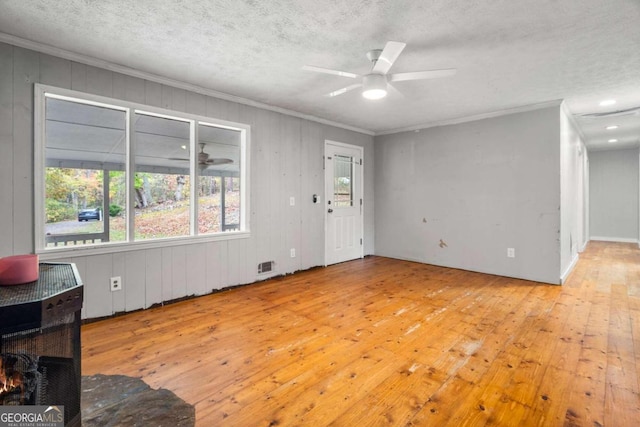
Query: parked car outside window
[[87, 214]]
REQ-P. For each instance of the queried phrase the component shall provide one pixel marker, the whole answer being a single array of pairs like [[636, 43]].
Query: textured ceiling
[[509, 54]]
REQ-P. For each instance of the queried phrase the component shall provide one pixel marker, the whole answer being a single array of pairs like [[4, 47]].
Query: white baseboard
[[614, 239], [569, 269]]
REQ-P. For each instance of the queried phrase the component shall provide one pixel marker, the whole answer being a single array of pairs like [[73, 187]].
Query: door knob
[[330, 210]]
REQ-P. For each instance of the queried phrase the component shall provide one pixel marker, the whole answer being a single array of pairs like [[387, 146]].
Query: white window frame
[[41, 92]]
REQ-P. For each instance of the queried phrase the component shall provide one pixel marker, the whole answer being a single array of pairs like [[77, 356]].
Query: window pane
[[342, 181], [82, 143], [161, 181], [219, 179], [117, 206]]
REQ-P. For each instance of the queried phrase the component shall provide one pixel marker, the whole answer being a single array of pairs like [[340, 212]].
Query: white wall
[[573, 237], [286, 160], [614, 195], [460, 195]]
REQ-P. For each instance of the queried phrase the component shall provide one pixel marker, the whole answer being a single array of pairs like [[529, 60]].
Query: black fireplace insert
[[40, 341]]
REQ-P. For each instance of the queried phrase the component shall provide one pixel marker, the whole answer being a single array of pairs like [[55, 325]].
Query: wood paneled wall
[[285, 158]]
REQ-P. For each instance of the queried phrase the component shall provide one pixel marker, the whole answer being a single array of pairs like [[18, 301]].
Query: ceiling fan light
[[374, 86], [374, 93]]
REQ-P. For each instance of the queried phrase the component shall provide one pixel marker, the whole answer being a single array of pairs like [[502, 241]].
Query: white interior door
[[343, 202]]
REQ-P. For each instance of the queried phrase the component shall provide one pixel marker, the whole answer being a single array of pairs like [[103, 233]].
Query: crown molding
[[499, 113], [101, 63]]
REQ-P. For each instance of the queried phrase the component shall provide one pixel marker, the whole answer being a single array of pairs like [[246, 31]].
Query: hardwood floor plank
[[586, 398], [384, 342], [260, 383], [621, 406], [385, 406]]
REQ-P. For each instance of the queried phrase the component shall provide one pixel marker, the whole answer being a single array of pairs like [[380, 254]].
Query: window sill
[[107, 248]]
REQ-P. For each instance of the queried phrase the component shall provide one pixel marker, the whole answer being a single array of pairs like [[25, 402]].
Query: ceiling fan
[[204, 160], [376, 84]]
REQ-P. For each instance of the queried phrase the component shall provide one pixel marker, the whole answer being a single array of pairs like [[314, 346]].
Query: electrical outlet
[[511, 252], [292, 201], [293, 252], [116, 283]]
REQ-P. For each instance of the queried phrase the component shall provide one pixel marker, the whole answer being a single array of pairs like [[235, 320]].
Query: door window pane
[[342, 181]]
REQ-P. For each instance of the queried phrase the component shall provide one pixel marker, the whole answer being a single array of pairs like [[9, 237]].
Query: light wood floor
[[378, 342]]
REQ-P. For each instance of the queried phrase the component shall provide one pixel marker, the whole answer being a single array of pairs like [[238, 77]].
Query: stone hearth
[[118, 400]]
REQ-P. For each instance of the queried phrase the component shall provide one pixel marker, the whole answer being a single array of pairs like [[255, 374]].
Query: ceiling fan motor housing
[[374, 86]]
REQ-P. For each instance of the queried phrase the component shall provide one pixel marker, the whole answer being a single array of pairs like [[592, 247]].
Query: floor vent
[[265, 267]]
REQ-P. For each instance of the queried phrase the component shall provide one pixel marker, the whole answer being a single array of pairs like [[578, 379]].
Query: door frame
[[360, 149]]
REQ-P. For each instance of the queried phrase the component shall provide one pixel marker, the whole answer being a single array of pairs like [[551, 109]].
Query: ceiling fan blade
[[388, 56], [329, 71], [393, 90], [218, 161], [419, 75], [343, 90]]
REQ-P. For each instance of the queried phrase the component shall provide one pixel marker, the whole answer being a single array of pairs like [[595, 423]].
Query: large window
[[110, 172]]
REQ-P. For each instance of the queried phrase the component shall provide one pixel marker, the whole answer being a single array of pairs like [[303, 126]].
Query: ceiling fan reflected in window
[[205, 160], [376, 84]]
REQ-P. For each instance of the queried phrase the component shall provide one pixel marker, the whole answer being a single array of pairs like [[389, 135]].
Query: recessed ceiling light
[[184, 147], [613, 140], [607, 102], [612, 127]]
